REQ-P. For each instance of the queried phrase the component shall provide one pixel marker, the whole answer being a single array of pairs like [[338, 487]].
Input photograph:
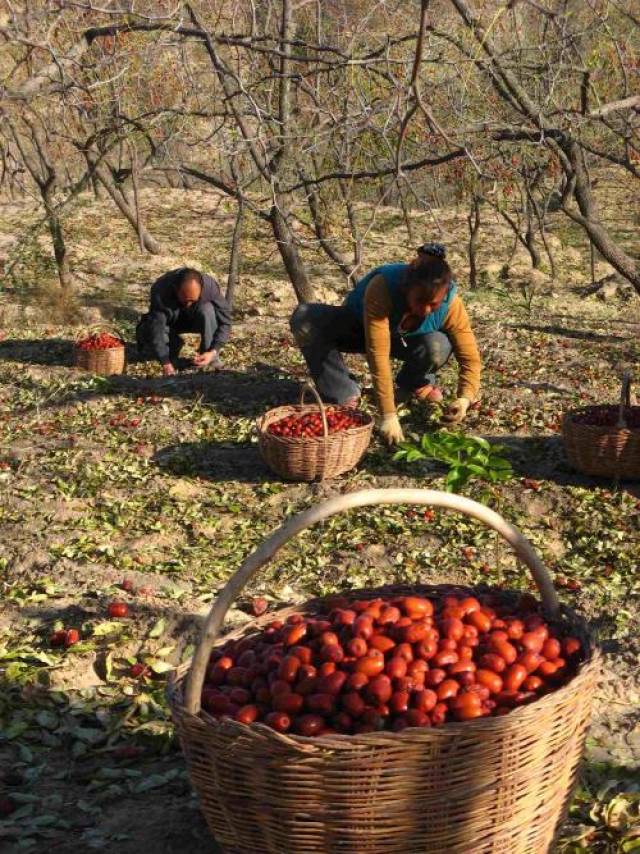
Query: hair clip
[[436, 249]]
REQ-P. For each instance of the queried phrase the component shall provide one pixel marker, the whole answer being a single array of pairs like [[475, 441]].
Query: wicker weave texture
[[308, 459], [601, 451], [492, 786], [104, 362]]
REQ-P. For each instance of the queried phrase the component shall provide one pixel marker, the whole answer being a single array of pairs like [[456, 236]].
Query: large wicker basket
[[606, 451], [497, 784], [311, 458], [104, 362]]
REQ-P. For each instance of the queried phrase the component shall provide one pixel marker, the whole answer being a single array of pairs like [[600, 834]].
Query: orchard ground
[[159, 482]]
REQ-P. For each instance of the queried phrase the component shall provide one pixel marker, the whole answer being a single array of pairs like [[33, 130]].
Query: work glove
[[456, 411], [390, 429]]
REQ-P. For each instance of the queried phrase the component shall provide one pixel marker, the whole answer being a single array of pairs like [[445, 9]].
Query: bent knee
[[301, 325], [437, 348]]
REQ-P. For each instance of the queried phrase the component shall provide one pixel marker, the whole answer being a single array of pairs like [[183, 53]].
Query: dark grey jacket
[[165, 311]]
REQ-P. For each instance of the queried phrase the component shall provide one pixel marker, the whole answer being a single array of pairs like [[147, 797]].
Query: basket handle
[[99, 327], [625, 398], [309, 387], [368, 497]]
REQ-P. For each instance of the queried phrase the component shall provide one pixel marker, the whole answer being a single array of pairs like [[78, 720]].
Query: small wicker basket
[[104, 362], [606, 451], [311, 458], [496, 785]]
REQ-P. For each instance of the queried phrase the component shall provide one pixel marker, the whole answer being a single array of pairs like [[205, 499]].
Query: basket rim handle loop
[[100, 327], [522, 547], [310, 387], [625, 399]]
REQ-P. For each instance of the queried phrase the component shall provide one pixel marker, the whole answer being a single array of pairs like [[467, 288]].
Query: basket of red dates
[[604, 440], [100, 351], [313, 441], [409, 718]]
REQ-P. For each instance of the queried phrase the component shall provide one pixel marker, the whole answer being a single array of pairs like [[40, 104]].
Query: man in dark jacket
[[184, 300]]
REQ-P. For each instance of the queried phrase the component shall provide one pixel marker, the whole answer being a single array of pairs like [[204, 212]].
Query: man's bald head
[[189, 288]]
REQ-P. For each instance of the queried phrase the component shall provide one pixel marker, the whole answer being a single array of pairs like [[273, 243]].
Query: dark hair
[[188, 273], [429, 269]]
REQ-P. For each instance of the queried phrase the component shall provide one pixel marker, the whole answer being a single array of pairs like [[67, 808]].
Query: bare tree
[[30, 138], [314, 117]]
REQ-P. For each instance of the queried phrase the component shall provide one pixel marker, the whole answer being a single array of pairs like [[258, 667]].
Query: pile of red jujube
[[99, 341], [378, 664], [607, 416], [309, 425]]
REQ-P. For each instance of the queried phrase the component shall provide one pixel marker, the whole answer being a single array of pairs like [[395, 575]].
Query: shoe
[[426, 393], [352, 403]]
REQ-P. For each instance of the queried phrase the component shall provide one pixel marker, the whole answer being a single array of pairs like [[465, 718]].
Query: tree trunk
[[529, 237], [353, 224], [540, 217], [55, 230], [473, 220], [588, 218], [136, 195], [59, 247], [406, 213], [313, 200], [234, 257], [290, 256], [103, 175]]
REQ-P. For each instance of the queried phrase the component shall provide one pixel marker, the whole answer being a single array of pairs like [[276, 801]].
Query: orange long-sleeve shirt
[[377, 314]]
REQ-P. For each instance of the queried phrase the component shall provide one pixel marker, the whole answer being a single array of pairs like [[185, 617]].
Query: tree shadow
[[169, 821], [579, 334], [231, 392], [215, 461], [618, 321], [544, 458], [50, 351]]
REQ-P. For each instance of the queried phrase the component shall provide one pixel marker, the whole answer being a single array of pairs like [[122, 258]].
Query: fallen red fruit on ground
[[139, 671], [258, 606], [71, 637], [118, 609]]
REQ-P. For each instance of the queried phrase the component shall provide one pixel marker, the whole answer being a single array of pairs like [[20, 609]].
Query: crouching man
[[184, 300]]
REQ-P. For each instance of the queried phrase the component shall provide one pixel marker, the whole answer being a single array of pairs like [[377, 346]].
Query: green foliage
[[605, 813], [467, 457]]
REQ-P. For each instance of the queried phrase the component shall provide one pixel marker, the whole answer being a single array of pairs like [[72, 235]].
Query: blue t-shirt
[[395, 275]]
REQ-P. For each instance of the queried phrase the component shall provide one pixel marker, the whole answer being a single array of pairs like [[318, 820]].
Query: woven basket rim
[[569, 421], [100, 350], [271, 415], [591, 662], [96, 329]]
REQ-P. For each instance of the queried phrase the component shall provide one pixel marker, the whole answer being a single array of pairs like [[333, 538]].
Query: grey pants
[[200, 319], [324, 332]]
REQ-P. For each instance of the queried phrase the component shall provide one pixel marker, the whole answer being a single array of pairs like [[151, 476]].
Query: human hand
[[204, 359], [391, 430], [456, 411], [168, 370]]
